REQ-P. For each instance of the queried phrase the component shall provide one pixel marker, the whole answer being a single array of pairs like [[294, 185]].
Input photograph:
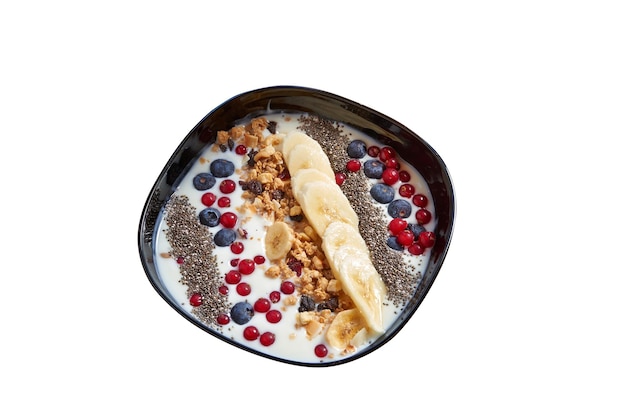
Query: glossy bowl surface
[[409, 145]]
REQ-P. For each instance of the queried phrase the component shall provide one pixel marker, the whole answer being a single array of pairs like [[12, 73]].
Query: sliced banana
[[278, 240], [294, 138], [304, 156], [307, 175], [322, 203], [350, 262], [346, 325]]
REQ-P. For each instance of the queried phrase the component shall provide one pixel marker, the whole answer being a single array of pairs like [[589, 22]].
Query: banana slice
[[294, 138], [278, 240], [350, 262], [322, 203], [346, 325], [304, 156], [306, 175]]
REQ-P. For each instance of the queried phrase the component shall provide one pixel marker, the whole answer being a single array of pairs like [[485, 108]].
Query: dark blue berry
[[204, 181], [209, 217], [382, 193], [416, 229], [392, 242], [357, 149], [241, 312], [222, 167], [399, 208], [373, 169], [225, 237]]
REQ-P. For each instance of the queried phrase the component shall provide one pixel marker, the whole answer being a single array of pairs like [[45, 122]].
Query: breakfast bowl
[[298, 225]]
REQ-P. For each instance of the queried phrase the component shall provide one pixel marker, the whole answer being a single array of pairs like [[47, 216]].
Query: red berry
[[227, 186], [373, 151], [236, 247], [180, 260], [234, 262], [267, 339], [287, 287], [353, 165], [273, 316], [243, 289], [404, 176], [223, 319], [223, 290], [262, 305], [275, 296], [406, 190], [390, 176], [208, 199], [416, 249], [228, 219], [241, 149], [195, 299], [423, 216], [340, 178], [386, 153], [250, 333], [321, 351], [392, 163], [396, 225], [259, 259], [426, 239], [405, 238], [420, 200], [232, 277], [223, 202], [246, 266]]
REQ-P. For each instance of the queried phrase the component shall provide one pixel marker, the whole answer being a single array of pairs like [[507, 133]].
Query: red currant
[[267, 339], [243, 289], [320, 350], [250, 333], [420, 200], [236, 247], [423, 216], [386, 153], [223, 290], [232, 277], [275, 296], [426, 239], [404, 176], [262, 305], [340, 178], [273, 316], [287, 287], [405, 238], [227, 186], [392, 163], [406, 190], [241, 149], [246, 266], [353, 165], [416, 249], [259, 259], [223, 202], [373, 151], [234, 262], [208, 199], [390, 176], [228, 219], [223, 319], [396, 225], [195, 299], [180, 260]]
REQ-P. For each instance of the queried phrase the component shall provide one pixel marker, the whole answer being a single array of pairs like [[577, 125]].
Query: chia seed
[[193, 242]]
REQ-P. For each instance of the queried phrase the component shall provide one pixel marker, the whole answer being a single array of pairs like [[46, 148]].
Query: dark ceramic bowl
[[291, 99]]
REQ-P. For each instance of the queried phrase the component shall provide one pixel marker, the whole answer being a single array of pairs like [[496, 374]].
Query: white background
[[525, 101]]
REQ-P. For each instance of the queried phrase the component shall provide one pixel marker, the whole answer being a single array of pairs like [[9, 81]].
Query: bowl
[[301, 100]]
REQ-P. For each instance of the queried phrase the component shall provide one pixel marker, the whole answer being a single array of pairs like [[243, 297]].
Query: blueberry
[[416, 229], [392, 242], [399, 208], [222, 167], [209, 217], [224, 237], [373, 169], [382, 193], [241, 312], [357, 149], [204, 181]]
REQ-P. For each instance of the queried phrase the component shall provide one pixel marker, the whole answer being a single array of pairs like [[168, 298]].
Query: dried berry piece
[[306, 304]]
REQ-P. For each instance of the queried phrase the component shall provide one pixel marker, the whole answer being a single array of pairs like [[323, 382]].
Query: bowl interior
[[409, 145]]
